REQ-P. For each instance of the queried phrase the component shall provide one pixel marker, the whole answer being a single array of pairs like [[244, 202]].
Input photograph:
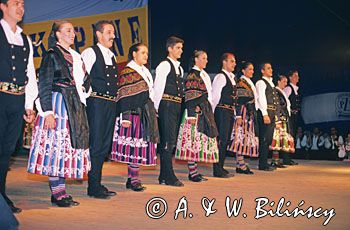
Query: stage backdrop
[[326, 107], [130, 19]]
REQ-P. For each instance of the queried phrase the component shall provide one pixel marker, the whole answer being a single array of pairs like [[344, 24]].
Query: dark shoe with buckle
[[202, 178], [72, 202], [108, 192], [176, 183], [64, 202], [196, 178], [137, 187], [247, 171], [98, 194], [15, 209], [278, 165], [267, 168]]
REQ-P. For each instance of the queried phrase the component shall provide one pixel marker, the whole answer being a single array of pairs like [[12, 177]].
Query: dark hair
[[3, 2], [244, 65], [195, 54], [225, 56], [99, 26], [56, 26], [134, 48], [172, 41], [291, 72], [262, 65], [279, 78]]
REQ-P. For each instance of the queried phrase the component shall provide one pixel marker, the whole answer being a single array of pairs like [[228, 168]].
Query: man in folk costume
[[267, 105], [18, 87], [293, 95], [168, 88], [101, 64], [198, 132], [223, 90]]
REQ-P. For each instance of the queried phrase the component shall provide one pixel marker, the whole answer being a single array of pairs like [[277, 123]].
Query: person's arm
[[261, 88], [46, 74], [89, 58], [288, 91], [217, 86], [162, 71]]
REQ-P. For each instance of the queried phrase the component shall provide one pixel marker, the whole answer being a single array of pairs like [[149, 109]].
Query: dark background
[[312, 36]]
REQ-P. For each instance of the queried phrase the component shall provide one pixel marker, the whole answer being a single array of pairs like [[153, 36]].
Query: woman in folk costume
[[197, 135], [245, 141], [282, 139], [136, 129], [60, 145]]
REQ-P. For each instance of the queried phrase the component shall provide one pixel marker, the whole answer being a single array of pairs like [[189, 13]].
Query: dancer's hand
[[126, 124], [267, 120], [29, 116], [50, 122], [239, 121]]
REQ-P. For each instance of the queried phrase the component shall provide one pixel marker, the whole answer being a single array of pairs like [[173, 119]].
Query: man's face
[[230, 63], [267, 70], [13, 10], [176, 51], [295, 78], [106, 38]]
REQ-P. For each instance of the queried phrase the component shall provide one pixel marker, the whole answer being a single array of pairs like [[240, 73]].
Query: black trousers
[[169, 119], [265, 139], [11, 120], [224, 119], [7, 220], [101, 117]]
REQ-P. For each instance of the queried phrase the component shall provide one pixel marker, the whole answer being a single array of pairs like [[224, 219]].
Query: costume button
[[25, 59], [107, 75], [113, 67], [106, 67], [107, 83], [13, 67], [107, 92], [14, 79], [13, 56], [12, 46], [24, 49]]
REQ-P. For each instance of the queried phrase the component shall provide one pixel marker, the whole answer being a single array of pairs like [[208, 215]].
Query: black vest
[[174, 83], [104, 78], [13, 60], [294, 100], [228, 92], [271, 99]]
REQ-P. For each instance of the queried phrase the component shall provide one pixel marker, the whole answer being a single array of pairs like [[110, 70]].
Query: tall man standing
[[168, 87], [267, 105], [223, 89], [101, 106], [18, 87]]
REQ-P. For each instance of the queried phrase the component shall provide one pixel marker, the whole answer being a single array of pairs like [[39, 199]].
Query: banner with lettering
[[326, 107], [131, 26]]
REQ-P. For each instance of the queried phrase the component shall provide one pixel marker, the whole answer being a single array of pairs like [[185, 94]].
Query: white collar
[[175, 63], [295, 88], [105, 50], [7, 27]]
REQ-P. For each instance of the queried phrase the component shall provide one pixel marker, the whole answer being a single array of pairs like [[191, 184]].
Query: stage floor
[[320, 184]]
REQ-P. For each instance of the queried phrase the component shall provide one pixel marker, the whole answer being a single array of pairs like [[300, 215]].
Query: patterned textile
[[195, 146], [51, 152], [282, 140], [130, 83], [129, 146]]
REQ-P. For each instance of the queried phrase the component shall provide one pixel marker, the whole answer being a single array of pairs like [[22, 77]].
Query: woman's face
[[249, 71], [201, 61], [141, 56], [282, 83], [66, 34]]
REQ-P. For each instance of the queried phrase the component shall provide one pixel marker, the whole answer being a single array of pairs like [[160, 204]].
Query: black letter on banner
[[135, 29], [80, 43], [37, 44], [118, 40]]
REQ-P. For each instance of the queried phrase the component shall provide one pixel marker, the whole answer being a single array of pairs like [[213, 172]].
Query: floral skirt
[[51, 152], [243, 137], [195, 146], [129, 146], [282, 140]]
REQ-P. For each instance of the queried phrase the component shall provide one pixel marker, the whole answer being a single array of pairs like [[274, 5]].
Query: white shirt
[[89, 56], [285, 98], [218, 84], [15, 38], [317, 142], [146, 75], [261, 88], [288, 89], [162, 71]]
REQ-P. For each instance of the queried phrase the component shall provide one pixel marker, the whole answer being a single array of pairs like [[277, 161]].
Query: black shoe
[[202, 178], [64, 202], [196, 178], [15, 209], [246, 171], [267, 168], [293, 162], [137, 187], [72, 202], [278, 165], [222, 175], [101, 194], [225, 171], [177, 183], [108, 192]]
